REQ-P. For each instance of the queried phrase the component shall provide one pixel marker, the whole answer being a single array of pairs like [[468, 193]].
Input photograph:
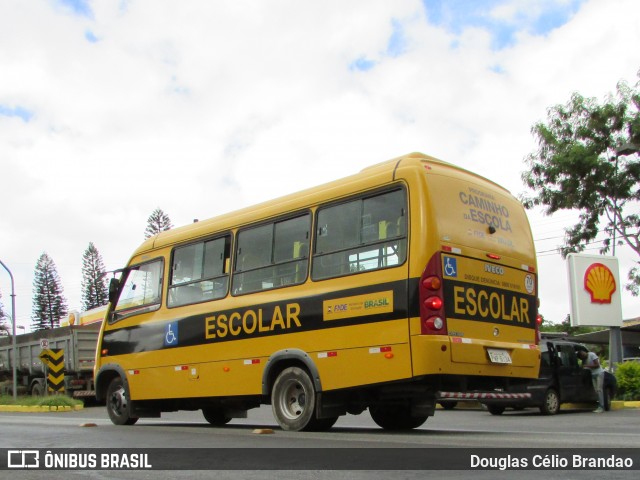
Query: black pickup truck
[[562, 379]]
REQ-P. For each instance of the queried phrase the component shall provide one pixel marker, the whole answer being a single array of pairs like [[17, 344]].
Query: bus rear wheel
[[293, 400], [118, 403], [395, 417]]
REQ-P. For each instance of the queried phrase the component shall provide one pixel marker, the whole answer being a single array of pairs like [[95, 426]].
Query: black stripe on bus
[[264, 320]]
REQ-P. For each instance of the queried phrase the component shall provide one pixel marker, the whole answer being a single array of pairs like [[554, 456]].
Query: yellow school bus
[[389, 290], [88, 317]]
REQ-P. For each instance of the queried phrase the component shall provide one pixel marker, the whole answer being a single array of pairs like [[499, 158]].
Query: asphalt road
[[472, 429]]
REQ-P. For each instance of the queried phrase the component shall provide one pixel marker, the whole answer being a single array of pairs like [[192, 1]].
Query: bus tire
[[551, 403], [118, 403], [395, 417], [215, 416], [293, 400]]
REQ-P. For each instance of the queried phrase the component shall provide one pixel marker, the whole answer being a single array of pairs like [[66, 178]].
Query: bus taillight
[[538, 325], [432, 283], [433, 303], [431, 299]]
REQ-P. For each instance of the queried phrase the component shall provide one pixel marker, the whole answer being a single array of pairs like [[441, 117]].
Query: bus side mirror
[[114, 284]]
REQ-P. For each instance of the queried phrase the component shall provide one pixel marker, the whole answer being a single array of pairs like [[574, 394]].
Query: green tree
[[94, 289], [585, 162], [565, 327], [157, 222], [49, 304]]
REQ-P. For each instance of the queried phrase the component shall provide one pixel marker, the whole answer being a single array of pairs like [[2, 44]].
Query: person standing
[[591, 361]]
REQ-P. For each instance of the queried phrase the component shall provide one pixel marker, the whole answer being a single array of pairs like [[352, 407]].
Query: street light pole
[[13, 339]]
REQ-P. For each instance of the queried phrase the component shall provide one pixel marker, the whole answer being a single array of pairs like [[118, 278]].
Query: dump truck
[[77, 339]]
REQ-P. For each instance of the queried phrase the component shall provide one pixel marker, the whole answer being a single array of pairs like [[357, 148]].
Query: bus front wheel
[[118, 404], [293, 400]]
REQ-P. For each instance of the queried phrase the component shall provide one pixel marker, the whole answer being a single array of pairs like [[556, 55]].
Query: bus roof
[[298, 200]]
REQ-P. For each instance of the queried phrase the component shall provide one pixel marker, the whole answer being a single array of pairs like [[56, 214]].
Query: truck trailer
[[77, 339]]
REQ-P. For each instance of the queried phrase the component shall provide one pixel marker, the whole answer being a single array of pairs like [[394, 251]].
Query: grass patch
[[48, 401]]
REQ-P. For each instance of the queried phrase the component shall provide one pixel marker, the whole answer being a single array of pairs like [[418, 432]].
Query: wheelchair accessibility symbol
[[171, 334], [450, 267]]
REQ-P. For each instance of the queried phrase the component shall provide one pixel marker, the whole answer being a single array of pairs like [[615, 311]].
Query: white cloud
[[198, 107]]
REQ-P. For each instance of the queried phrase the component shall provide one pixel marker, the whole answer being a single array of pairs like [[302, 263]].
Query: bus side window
[[199, 272], [361, 235], [337, 232], [272, 255]]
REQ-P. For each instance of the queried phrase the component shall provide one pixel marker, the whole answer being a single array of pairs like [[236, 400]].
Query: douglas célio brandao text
[[551, 462]]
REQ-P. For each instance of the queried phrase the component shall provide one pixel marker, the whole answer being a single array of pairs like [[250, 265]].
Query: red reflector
[[493, 256], [446, 248], [332, 354], [385, 349], [434, 303], [255, 360], [184, 367]]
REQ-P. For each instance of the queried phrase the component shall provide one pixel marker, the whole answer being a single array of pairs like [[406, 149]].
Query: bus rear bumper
[[483, 396], [444, 355]]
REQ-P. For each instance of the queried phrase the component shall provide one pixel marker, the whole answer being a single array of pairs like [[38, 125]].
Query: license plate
[[499, 356]]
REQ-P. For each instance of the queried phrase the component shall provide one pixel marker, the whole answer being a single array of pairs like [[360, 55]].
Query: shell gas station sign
[[594, 283]]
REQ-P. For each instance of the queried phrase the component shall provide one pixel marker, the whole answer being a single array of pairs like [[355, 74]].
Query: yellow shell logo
[[600, 283]]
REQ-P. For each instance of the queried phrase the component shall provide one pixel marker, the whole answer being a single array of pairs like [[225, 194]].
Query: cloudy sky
[[110, 109]]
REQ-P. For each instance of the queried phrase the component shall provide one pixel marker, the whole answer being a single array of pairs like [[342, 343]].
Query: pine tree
[[49, 305], [94, 290], [157, 222]]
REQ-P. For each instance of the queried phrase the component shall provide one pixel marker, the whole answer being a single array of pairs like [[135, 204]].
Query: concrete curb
[[39, 408], [620, 404]]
